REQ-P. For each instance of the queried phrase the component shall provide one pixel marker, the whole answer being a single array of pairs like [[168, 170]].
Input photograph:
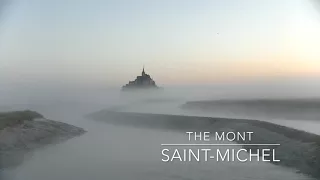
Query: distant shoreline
[[299, 150], [286, 108]]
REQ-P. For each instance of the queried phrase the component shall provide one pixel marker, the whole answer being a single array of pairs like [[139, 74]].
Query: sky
[[178, 41]]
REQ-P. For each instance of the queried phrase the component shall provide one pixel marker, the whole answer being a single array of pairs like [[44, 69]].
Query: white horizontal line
[[220, 144]]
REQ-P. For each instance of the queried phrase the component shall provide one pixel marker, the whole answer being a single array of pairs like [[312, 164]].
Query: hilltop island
[[141, 82]]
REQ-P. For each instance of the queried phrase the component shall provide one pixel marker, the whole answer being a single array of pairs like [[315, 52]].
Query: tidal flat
[[298, 149]]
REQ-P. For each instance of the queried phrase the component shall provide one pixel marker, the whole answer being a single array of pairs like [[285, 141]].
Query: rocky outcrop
[[23, 131], [141, 82]]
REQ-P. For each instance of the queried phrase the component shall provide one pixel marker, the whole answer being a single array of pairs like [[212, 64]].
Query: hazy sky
[[179, 41]]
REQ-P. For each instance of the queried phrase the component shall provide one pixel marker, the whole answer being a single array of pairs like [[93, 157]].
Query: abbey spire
[[143, 73]]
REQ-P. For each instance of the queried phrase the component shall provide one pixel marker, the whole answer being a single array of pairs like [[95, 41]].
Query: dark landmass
[[23, 131], [293, 109], [141, 82], [298, 150], [8, 119]]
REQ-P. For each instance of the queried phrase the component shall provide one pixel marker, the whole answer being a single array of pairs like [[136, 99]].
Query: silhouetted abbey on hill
[[141, 82]]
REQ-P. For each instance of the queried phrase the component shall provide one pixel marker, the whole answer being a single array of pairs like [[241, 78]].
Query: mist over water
[[127, 153], [120, 152]]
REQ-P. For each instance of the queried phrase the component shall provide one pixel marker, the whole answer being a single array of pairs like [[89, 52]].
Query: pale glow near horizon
[[191, 42]]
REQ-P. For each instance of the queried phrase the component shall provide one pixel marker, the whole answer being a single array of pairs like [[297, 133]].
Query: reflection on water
[[113, 152]]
